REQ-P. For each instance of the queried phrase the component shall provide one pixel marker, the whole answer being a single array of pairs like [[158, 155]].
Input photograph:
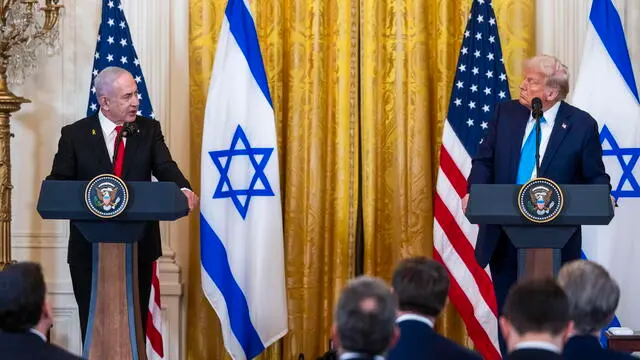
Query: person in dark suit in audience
[[593, 298], [26, 316], [535, 320], [365, 317], [421, 286]]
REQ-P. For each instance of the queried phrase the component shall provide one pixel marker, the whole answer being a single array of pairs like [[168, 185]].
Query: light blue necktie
[[528, 155]]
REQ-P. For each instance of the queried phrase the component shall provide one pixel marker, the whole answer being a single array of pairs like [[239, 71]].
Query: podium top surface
[[147, 201], [497, 204]]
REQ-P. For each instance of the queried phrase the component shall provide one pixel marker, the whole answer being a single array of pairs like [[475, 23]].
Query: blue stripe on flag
[[606, 21], [216, 263], [614, 322], [244, 31]]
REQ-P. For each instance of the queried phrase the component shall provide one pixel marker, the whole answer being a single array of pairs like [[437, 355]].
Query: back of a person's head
[[365, 316], [22, 296], [593, 295], [421, 286], [537, 306]]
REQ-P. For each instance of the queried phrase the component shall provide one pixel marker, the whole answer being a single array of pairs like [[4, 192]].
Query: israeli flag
[[606, 88], [241, 237]]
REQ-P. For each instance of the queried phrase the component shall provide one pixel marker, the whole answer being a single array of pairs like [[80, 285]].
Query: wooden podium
[[539, 244], [114, 329]]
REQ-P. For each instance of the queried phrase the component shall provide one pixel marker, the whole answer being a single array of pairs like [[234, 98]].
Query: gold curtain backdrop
[[346, 77]]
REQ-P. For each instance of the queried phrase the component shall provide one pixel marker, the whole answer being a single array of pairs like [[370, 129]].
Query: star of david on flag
[[259, 184], [606, 88], [241, 233]]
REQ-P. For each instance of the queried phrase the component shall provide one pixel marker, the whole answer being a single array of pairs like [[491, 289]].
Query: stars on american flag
[[115, 48], [480, 81]]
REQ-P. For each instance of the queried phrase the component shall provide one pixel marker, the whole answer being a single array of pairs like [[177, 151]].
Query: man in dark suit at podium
[[26, 316], [570, 153], [593, 298], [421, 286], [87, 149], [535, 321]]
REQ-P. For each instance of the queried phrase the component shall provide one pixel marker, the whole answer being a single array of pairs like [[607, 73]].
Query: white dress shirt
[[545, 131], [354, 355], [540, 345], [40, 335], [415, 317], [109, 132]]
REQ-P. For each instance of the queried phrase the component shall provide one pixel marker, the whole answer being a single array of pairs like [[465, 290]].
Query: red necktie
[[117, 164]]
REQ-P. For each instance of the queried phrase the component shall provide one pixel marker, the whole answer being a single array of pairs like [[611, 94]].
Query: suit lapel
[[130, 152], [98, 145], [518, 128], [561, 128]]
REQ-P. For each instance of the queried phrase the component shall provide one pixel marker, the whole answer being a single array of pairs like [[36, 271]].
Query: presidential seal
[[540, 200], [106, 196]]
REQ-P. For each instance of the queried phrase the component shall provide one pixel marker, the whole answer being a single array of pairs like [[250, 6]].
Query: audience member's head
[[365, 317], [22, 299], [536, 310], [593, 295], [421, 286]]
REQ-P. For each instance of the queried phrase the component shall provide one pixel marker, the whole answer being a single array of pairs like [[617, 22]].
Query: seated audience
[[535, 320], [421, 286], [365, 320], [25, 316], [593, 299]]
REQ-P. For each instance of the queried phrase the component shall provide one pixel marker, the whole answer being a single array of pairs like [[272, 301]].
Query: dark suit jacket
[[533, 354], [82, 155], [588, 348], [28, 346], [419, 341], [573, 156]]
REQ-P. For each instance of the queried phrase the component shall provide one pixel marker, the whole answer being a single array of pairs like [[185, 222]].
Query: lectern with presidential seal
[[539, 217], [112, 215]]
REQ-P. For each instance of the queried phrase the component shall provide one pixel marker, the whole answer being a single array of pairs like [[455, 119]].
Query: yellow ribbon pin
[[93, 131]]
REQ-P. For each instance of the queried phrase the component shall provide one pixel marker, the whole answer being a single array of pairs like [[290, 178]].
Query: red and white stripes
[[454, 238], [154, 344]]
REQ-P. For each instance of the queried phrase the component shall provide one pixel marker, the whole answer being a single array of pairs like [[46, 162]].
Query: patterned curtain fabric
[[350, 80]]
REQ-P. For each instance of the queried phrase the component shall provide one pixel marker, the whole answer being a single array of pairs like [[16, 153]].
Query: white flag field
[[241, 231], [606, 89]]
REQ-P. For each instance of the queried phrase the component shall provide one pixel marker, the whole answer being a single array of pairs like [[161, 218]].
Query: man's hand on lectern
[[192, 198], [465, 201], [614, 204]]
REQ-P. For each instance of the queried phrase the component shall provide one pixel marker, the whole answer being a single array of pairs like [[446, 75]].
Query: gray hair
[[555, 72], [593, 295], [365, 316], [103, 82]]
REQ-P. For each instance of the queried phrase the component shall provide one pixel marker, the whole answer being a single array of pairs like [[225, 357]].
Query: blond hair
[[556, 73]]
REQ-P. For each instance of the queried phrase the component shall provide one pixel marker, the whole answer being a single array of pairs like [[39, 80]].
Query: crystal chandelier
[[26, 26]]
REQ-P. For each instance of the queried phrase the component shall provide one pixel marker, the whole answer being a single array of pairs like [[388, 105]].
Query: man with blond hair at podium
[[570, 153]]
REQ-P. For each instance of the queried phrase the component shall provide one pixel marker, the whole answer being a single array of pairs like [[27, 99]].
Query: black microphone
[[128, 129], [536, 112]]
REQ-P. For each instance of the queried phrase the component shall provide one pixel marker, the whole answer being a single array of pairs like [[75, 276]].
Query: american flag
[[480, 82], [115, 48]]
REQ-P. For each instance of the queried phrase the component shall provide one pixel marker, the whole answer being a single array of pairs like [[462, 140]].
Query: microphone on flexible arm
[[128, 129], [536, 112]]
